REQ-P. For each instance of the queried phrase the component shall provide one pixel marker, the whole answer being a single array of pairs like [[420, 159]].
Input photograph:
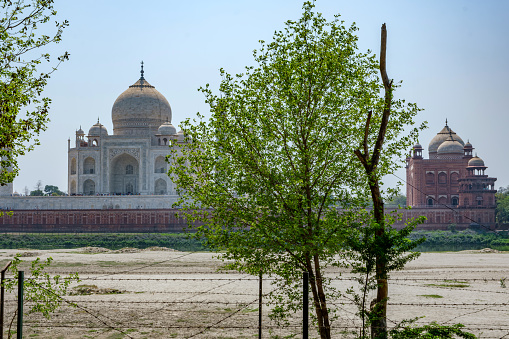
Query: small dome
[[97, 130], [16, 194], [167, 129], [450, 147], [468, 145], [442, 136], [80, 132], [417, 146], [476, 162]]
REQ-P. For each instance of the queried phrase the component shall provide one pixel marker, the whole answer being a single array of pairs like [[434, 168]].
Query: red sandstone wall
[[168, 221], [72, 221]]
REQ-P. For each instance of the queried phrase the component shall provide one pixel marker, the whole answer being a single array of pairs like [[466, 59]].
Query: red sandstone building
[[451, 187]]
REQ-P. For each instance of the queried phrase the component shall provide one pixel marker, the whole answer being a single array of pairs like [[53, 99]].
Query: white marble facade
[[131, 161]]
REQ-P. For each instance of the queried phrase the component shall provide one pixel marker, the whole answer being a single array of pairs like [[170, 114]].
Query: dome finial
[[445, 118], [142, 71], [97, 119]]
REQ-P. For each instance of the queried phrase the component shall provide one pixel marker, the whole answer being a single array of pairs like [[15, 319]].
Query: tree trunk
[[370, 163], [321, 311], [379, 311]]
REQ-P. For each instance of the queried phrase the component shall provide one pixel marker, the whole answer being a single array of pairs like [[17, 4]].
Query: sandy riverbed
[[170, 294]]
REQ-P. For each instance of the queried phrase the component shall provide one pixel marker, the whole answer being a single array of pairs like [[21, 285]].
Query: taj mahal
[[123, 170], [131, 161]]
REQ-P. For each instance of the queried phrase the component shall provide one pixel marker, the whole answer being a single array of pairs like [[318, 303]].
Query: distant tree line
[[49, 190]]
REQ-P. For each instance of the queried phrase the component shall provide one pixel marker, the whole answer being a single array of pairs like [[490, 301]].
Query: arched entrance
[[89, 187], [124, 175], [160, 187], [73, 186]]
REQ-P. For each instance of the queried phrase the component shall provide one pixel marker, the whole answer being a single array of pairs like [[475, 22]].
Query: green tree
[[272, 175], [23, 110], [502, 209], [38, 190], [36, 193], [397, 200], [52, 190]]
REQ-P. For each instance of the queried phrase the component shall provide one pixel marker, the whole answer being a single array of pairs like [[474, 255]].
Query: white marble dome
[[167, 129], [140, 110], [97, 130]]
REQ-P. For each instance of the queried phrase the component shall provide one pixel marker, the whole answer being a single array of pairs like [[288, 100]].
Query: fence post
[[260, 285], [2, 297], [19, 329], [305, 304]]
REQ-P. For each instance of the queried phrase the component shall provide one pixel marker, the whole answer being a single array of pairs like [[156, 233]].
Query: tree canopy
[[502, 209], [272, 174], [23, 109], [52, 190]]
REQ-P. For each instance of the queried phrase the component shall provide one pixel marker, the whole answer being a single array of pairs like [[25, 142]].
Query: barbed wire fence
[[141, 302]]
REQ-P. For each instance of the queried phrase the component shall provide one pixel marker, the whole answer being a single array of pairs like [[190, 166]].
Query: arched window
[[454, 201], [454, 178], [159, 141], [442, 178], [160, 165], [89, 166], [479, 201], [73, 166], [95, 142], [129, 169], [430, 178], [430, 202]]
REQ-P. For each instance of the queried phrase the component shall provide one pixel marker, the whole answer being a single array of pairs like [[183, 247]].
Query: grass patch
[[112, 241], [108, 263], [449, 285], [93, 289], [435, 296]]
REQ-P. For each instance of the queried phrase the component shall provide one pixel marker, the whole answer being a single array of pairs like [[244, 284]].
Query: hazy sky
[[451, 55]]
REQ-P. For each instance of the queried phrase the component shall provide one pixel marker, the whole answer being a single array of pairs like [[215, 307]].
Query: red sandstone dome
[[442, 136], [450, 147], [476, 162]]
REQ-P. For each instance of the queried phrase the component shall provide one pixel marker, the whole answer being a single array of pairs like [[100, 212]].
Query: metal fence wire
[[140, 301]]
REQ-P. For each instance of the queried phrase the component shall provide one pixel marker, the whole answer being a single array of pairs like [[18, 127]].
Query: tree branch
[[388, 99]]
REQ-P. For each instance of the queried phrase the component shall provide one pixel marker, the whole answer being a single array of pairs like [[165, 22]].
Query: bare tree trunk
[[379, 308]]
